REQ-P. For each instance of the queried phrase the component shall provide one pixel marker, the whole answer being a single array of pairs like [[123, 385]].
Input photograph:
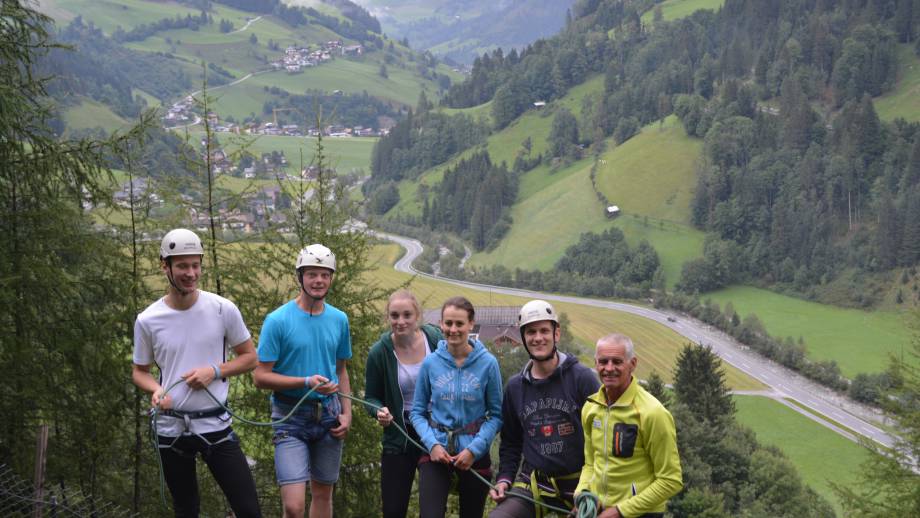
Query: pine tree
[[699, 383], [910, 240]]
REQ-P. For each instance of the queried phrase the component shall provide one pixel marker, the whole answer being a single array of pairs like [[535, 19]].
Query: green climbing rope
[[587, 510]]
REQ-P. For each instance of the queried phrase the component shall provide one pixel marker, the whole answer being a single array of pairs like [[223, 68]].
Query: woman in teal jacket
[[390, 377], [456, 412]]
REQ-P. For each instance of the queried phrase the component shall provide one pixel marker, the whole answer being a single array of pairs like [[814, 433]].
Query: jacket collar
[[626, 398], [564, 359], [478, 350], [431, 338]]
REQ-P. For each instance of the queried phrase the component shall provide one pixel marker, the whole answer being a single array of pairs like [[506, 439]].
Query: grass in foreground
[[819, 454], [859, 341]]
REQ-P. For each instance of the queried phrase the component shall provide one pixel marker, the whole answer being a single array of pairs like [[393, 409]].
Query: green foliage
[[699, 383], [608, 255], [473, 200], [384, 198], [725, 471], [419, 142], [563, 137], [108, 72], [144, 31], [889, 484], [64, 304]]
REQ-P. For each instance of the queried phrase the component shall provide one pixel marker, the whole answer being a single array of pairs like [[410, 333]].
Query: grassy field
[[652, 174], [819, 454], [652, 187], [656, 345], [859, 341], [349, 76], [904, 99], [152, 102], [674, 243], [482, 112], [91, 114], [674, 9], [109, 14], [562, 210], [345, 154]]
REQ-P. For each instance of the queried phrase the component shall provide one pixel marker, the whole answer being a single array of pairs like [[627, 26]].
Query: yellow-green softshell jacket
[[640, 481]]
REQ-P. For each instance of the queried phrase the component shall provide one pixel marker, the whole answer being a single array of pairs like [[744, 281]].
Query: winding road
[[820, 404]]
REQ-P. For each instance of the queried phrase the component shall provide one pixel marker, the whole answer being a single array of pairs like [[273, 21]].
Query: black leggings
[[397, 472], [434, 480], [227, 464]]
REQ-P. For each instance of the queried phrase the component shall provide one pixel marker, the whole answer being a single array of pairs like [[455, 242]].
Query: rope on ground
[[590, 508]]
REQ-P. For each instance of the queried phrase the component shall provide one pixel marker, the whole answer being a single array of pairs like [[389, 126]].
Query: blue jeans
[[304, 449]]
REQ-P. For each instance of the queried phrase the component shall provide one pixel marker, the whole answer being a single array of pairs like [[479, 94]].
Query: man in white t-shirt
[[186, 334]]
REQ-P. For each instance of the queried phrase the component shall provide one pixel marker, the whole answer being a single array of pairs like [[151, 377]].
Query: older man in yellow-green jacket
[[631, 460]]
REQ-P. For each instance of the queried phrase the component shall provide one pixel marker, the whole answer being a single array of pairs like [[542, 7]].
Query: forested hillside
[[801, 182]]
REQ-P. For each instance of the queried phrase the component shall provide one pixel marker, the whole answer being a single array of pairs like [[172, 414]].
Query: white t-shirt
[[178, 341]]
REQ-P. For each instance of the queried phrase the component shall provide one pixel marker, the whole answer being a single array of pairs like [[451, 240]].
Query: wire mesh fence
[[18, 500]]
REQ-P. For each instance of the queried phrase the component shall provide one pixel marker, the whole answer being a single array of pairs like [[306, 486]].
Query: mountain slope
[[463, 29]]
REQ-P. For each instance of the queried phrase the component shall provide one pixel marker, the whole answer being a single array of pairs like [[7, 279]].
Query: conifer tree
[[63, 298], [699, 383]]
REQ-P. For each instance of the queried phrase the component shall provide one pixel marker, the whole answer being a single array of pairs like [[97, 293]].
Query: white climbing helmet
[[535, 311], [316, 255], [180, 241]]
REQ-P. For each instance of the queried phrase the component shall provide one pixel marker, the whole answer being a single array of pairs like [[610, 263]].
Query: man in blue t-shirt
[[305, 345]]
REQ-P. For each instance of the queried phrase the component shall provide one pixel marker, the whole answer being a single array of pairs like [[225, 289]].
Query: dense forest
[[473, 200], [420, 141]]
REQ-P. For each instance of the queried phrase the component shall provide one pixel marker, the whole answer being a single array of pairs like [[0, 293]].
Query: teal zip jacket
[[381, 386], [631, 458], [457, 398]]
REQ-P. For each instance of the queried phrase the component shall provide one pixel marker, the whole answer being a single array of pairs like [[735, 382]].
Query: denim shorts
[[304, 449]]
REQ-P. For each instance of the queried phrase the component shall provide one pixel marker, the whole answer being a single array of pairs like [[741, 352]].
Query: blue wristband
[[216, 370], [306, 382]]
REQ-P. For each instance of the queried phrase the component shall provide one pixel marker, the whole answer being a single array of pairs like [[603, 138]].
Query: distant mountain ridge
[[462, 30]]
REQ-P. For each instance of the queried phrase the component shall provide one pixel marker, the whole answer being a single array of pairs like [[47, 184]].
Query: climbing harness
[[452, 433], [544, 486], [587, 504]]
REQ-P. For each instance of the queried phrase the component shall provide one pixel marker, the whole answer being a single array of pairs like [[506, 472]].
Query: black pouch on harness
[[624, 439]]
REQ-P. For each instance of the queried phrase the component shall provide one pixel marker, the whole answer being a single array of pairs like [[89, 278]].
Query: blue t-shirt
[[304, 345]]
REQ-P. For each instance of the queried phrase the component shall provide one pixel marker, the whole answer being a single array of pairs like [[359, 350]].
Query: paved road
[[785, 384]]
